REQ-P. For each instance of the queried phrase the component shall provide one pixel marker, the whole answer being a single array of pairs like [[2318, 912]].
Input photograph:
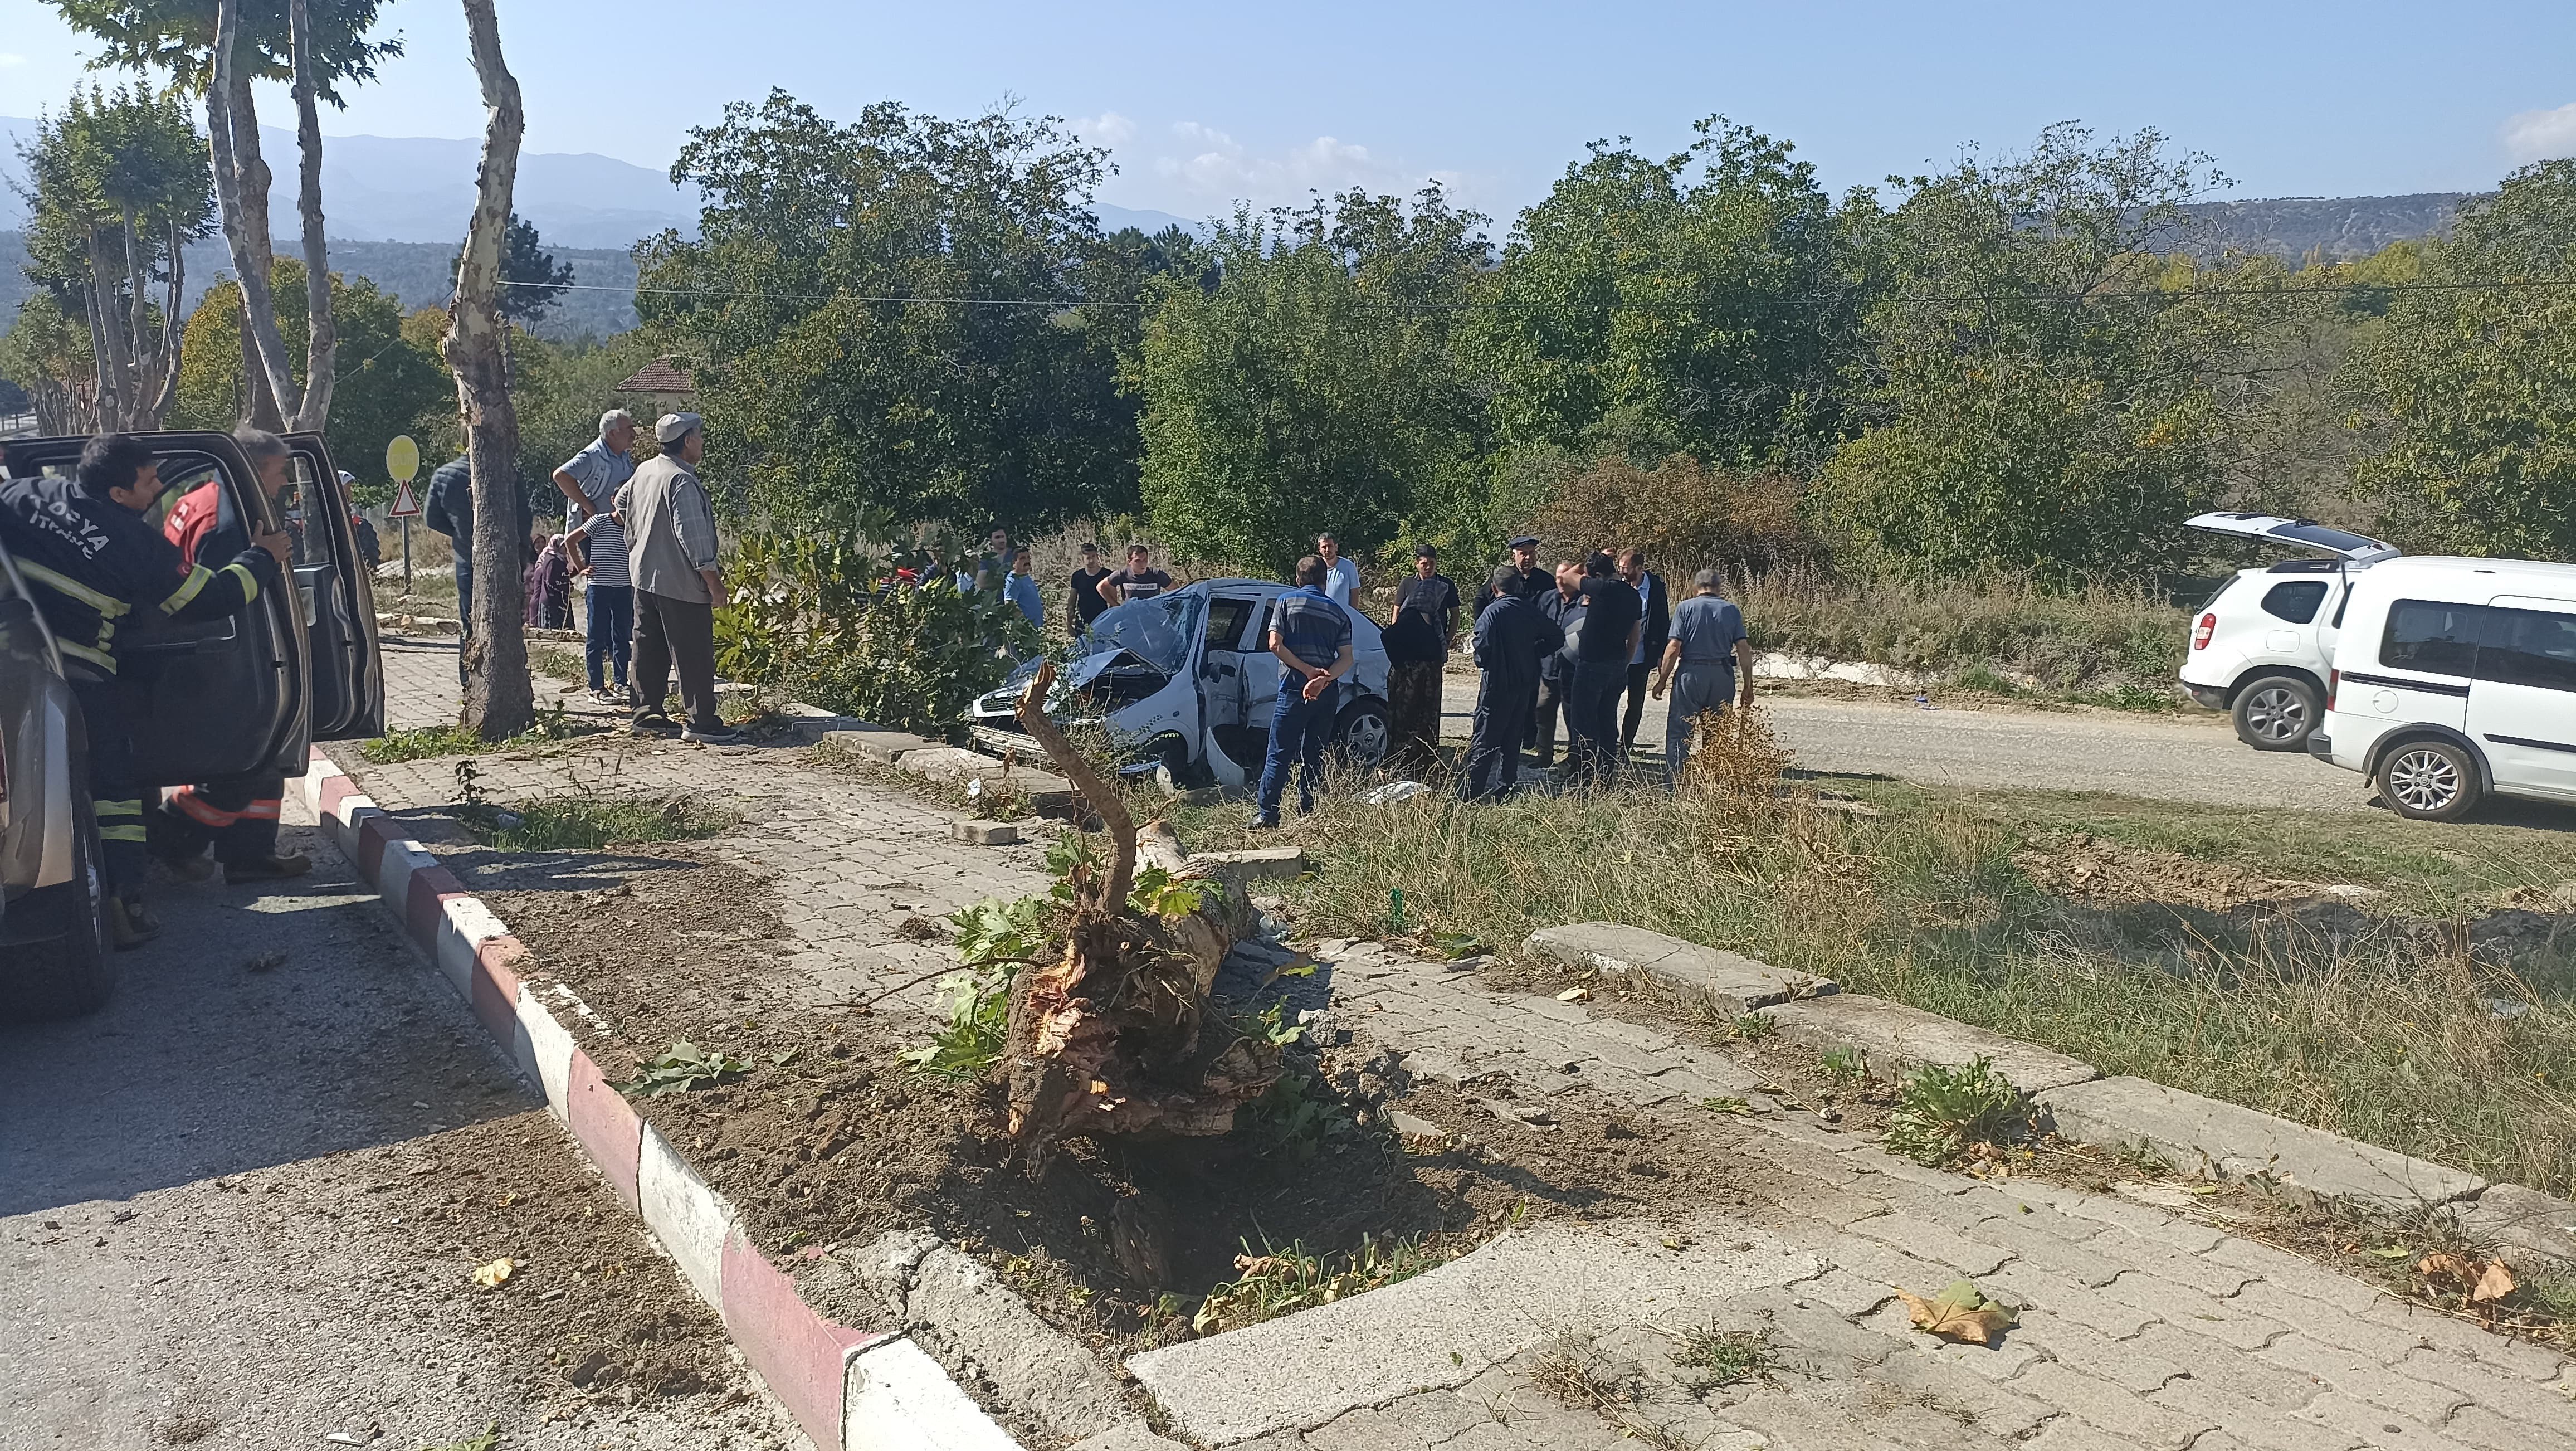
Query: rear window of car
[[2529, 647], [2432, 637], [2296, 602]]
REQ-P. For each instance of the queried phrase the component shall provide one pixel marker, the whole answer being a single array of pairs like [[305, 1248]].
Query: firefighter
[[237, 814], [82, 541]]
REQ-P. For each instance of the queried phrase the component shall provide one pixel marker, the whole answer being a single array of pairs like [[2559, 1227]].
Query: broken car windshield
[[1158, 631]]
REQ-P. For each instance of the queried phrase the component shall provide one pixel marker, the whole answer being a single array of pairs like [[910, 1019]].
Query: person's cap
[[1506, 579], [676, 426], [1426, 551], [347, 477], [1706, 579], [1526, 541]]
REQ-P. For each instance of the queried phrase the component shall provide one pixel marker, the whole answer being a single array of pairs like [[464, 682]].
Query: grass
[[1280, 1282], [1717, 1358], [586, 821], [423, 743], [2363, 1025], [1941, 1111], [1976, 632], [559, 662]]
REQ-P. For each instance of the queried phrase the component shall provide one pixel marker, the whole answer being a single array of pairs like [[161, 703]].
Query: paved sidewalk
[[2142, 1328]]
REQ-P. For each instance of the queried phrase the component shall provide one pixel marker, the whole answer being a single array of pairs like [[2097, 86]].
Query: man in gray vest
[[671, 553], [1708, 665]]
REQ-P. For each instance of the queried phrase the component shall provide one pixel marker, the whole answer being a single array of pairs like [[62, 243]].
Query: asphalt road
[[2186, 758], [216, 1205]]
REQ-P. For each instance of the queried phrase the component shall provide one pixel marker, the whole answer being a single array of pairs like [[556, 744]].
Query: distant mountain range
[[2330, 229]]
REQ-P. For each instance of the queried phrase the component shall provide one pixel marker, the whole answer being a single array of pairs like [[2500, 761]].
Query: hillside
[[2332, 229]]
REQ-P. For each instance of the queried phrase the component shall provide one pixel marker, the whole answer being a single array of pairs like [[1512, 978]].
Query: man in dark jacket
[[1512, 637], [449, 509], [1658, 629], [82, 543], [1564, 606]]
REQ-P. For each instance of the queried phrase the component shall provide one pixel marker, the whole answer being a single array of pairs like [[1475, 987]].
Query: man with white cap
[[671, 555]]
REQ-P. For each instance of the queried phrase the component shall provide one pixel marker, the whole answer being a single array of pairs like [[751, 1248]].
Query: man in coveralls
[[1512, 637], [83, 543]]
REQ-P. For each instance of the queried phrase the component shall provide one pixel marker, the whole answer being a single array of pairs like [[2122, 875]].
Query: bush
[[1684, 514]]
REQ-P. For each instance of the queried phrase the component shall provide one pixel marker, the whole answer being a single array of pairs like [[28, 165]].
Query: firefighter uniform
[[92, 562], [238, 814]]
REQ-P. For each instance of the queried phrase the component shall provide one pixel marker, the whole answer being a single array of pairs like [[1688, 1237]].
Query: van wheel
[[2429, 781], [2276, 713], [73, 973], [1363, 732]]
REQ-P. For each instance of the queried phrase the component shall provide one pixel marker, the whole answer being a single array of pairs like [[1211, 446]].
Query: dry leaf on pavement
[[2495, 1284], [495, 1274], [1574, 995], [1961, 1313]]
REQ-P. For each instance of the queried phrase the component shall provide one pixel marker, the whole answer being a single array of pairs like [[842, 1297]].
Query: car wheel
[[2277, 713], [2429, 781], [72, 973], [1363, 732]]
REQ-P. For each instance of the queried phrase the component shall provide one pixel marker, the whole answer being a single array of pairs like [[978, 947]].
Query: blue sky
[[1205, 105]]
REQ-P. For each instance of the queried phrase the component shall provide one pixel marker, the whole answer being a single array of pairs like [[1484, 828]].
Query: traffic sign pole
[[402, 464]]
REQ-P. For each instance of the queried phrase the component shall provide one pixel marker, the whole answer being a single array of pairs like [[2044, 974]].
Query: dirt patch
[[2087, 868]]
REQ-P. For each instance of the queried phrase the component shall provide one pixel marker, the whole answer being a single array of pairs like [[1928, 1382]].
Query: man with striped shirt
[[82, 543], [590, 480]]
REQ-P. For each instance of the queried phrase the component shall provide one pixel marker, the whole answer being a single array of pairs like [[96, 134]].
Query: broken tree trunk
[[1113, 1037], [498, 699]]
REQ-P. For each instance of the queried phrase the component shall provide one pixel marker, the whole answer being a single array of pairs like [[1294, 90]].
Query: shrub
[[1941, 1111], [1684, 514]]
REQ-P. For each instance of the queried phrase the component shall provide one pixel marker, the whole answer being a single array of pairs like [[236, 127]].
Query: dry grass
[[2381, 1028], [2096, 639]]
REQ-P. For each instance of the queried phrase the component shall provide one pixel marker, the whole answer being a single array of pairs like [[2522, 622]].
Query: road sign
[[406, 503], [402, 461]]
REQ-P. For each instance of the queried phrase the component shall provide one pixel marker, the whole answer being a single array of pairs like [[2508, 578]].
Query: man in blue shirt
[[1021, 588], [1311, 635], [1707, 665]]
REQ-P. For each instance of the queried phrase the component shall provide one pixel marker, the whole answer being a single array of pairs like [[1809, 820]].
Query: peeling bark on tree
[[322, 335], [241, 201], [498, 698], [1112, 1037]]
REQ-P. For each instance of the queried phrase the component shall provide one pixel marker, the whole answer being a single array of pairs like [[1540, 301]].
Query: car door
[[2522, 705], [339, 603], [213, 698], [1232, 617]]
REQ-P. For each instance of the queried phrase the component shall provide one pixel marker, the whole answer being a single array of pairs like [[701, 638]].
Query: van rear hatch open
[[2304, 534]]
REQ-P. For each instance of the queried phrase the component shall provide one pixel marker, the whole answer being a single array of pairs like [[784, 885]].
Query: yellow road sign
[[402, 459]]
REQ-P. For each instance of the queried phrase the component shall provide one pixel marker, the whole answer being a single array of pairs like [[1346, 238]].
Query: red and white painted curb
[[851, 1390]]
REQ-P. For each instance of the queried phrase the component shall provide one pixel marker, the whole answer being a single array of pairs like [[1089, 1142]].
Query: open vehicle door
[[2304, 534], [213, 698], [339, 603]]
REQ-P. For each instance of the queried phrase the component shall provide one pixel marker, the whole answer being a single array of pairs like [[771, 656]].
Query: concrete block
[[952, 763], [2191, 1130], [1728, 982], [549, 1054], [689, 1218], [1132, 1435], [2525, 1224], [874, 745], [1899, 1039], [898, 1399], [984, 833], [954, 1306], [464, 925], [1268, 863]]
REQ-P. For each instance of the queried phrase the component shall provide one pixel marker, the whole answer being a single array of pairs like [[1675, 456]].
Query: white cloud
[[1214, 167], [11, 62], [1106, 129], [2541, 135]]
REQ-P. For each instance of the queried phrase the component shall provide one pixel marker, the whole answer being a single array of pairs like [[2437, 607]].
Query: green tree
[[2038, 396], [531, 279], [116, 188], [388, 382], [1314, 387], [47, 352], [1702, 302], [2470, 389], [901, 315]]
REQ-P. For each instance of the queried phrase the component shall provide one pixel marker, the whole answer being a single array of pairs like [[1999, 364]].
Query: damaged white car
[[1185, 681]]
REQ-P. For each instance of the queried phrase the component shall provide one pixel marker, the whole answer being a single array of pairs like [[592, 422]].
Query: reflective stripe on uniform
[[199, 810], [99, 658], [249, 581], [189, 588], [62, 583], [261, 811], [119, 820]]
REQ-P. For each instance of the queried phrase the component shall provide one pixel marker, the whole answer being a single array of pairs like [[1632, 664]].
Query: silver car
[[1186, 681], [53, 922]]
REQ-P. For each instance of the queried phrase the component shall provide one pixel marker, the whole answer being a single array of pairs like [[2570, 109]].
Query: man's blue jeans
[[1298, 730], [610, 632]]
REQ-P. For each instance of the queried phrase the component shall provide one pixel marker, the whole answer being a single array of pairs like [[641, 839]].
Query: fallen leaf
[[1960, 1313], [2495, 1284], [2393, 1252], [495, 1274], [1574, 995], [2442, 1266]]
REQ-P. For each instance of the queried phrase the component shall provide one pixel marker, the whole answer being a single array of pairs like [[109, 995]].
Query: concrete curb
[[848, 1388]]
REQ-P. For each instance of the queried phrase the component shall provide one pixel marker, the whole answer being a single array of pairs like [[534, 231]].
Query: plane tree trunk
[[498, 698], [322, 336], [241, 201]]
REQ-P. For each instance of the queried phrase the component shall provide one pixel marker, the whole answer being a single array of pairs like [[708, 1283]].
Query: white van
[[2454, 679], [2262, 645]]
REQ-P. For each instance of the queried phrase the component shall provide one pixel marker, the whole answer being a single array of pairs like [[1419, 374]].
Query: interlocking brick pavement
[[2141, 1329]]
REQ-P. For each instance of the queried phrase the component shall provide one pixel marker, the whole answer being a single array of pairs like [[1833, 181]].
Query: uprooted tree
[[1113, 1036]]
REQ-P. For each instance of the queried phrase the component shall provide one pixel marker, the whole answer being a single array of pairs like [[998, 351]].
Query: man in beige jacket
[[671, 553]]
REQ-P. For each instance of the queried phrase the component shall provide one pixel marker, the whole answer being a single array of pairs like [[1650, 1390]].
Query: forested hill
[[2333, 229], [419, 273]]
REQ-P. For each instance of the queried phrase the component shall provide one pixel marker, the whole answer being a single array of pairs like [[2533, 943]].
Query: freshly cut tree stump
[[1114, 1037]]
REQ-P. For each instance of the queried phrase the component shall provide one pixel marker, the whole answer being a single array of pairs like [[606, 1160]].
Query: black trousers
[[1639, 676], [671, 632], [1592, 719], [1549, 702], [1505, 706], [115, 785]]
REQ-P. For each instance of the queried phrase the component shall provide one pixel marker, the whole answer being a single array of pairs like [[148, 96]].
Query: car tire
[[72, 973], [1363, 732], [2277, 712], [2428, 780]]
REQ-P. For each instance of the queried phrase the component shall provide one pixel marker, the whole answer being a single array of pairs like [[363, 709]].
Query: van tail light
[[2334, 683], [2201, 632]]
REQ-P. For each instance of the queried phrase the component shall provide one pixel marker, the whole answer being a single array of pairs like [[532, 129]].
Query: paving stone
[[875, 745], [2032, 1288], [1844, 1292], [1875, 1160], [2290, 1272], [2237, 1141], [1899, 1038], [2430, 1327], [1872, 1260], [2528, 1226], [2247, 1422], [2227, 1321], [1366, 1429], [1435, 1416], [1727, 982], [2374, 1426], [2126, 1363], [2480, 1426], [2046, 1251], [1635, 1035], [2504, 1395], [2066, 1433], [2228, 1368], [2108, 1407], [2357, 1374], [1952, 1387], [1928, 1241], [1823, 1203], [2164, 1262], [1997, 1363]]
